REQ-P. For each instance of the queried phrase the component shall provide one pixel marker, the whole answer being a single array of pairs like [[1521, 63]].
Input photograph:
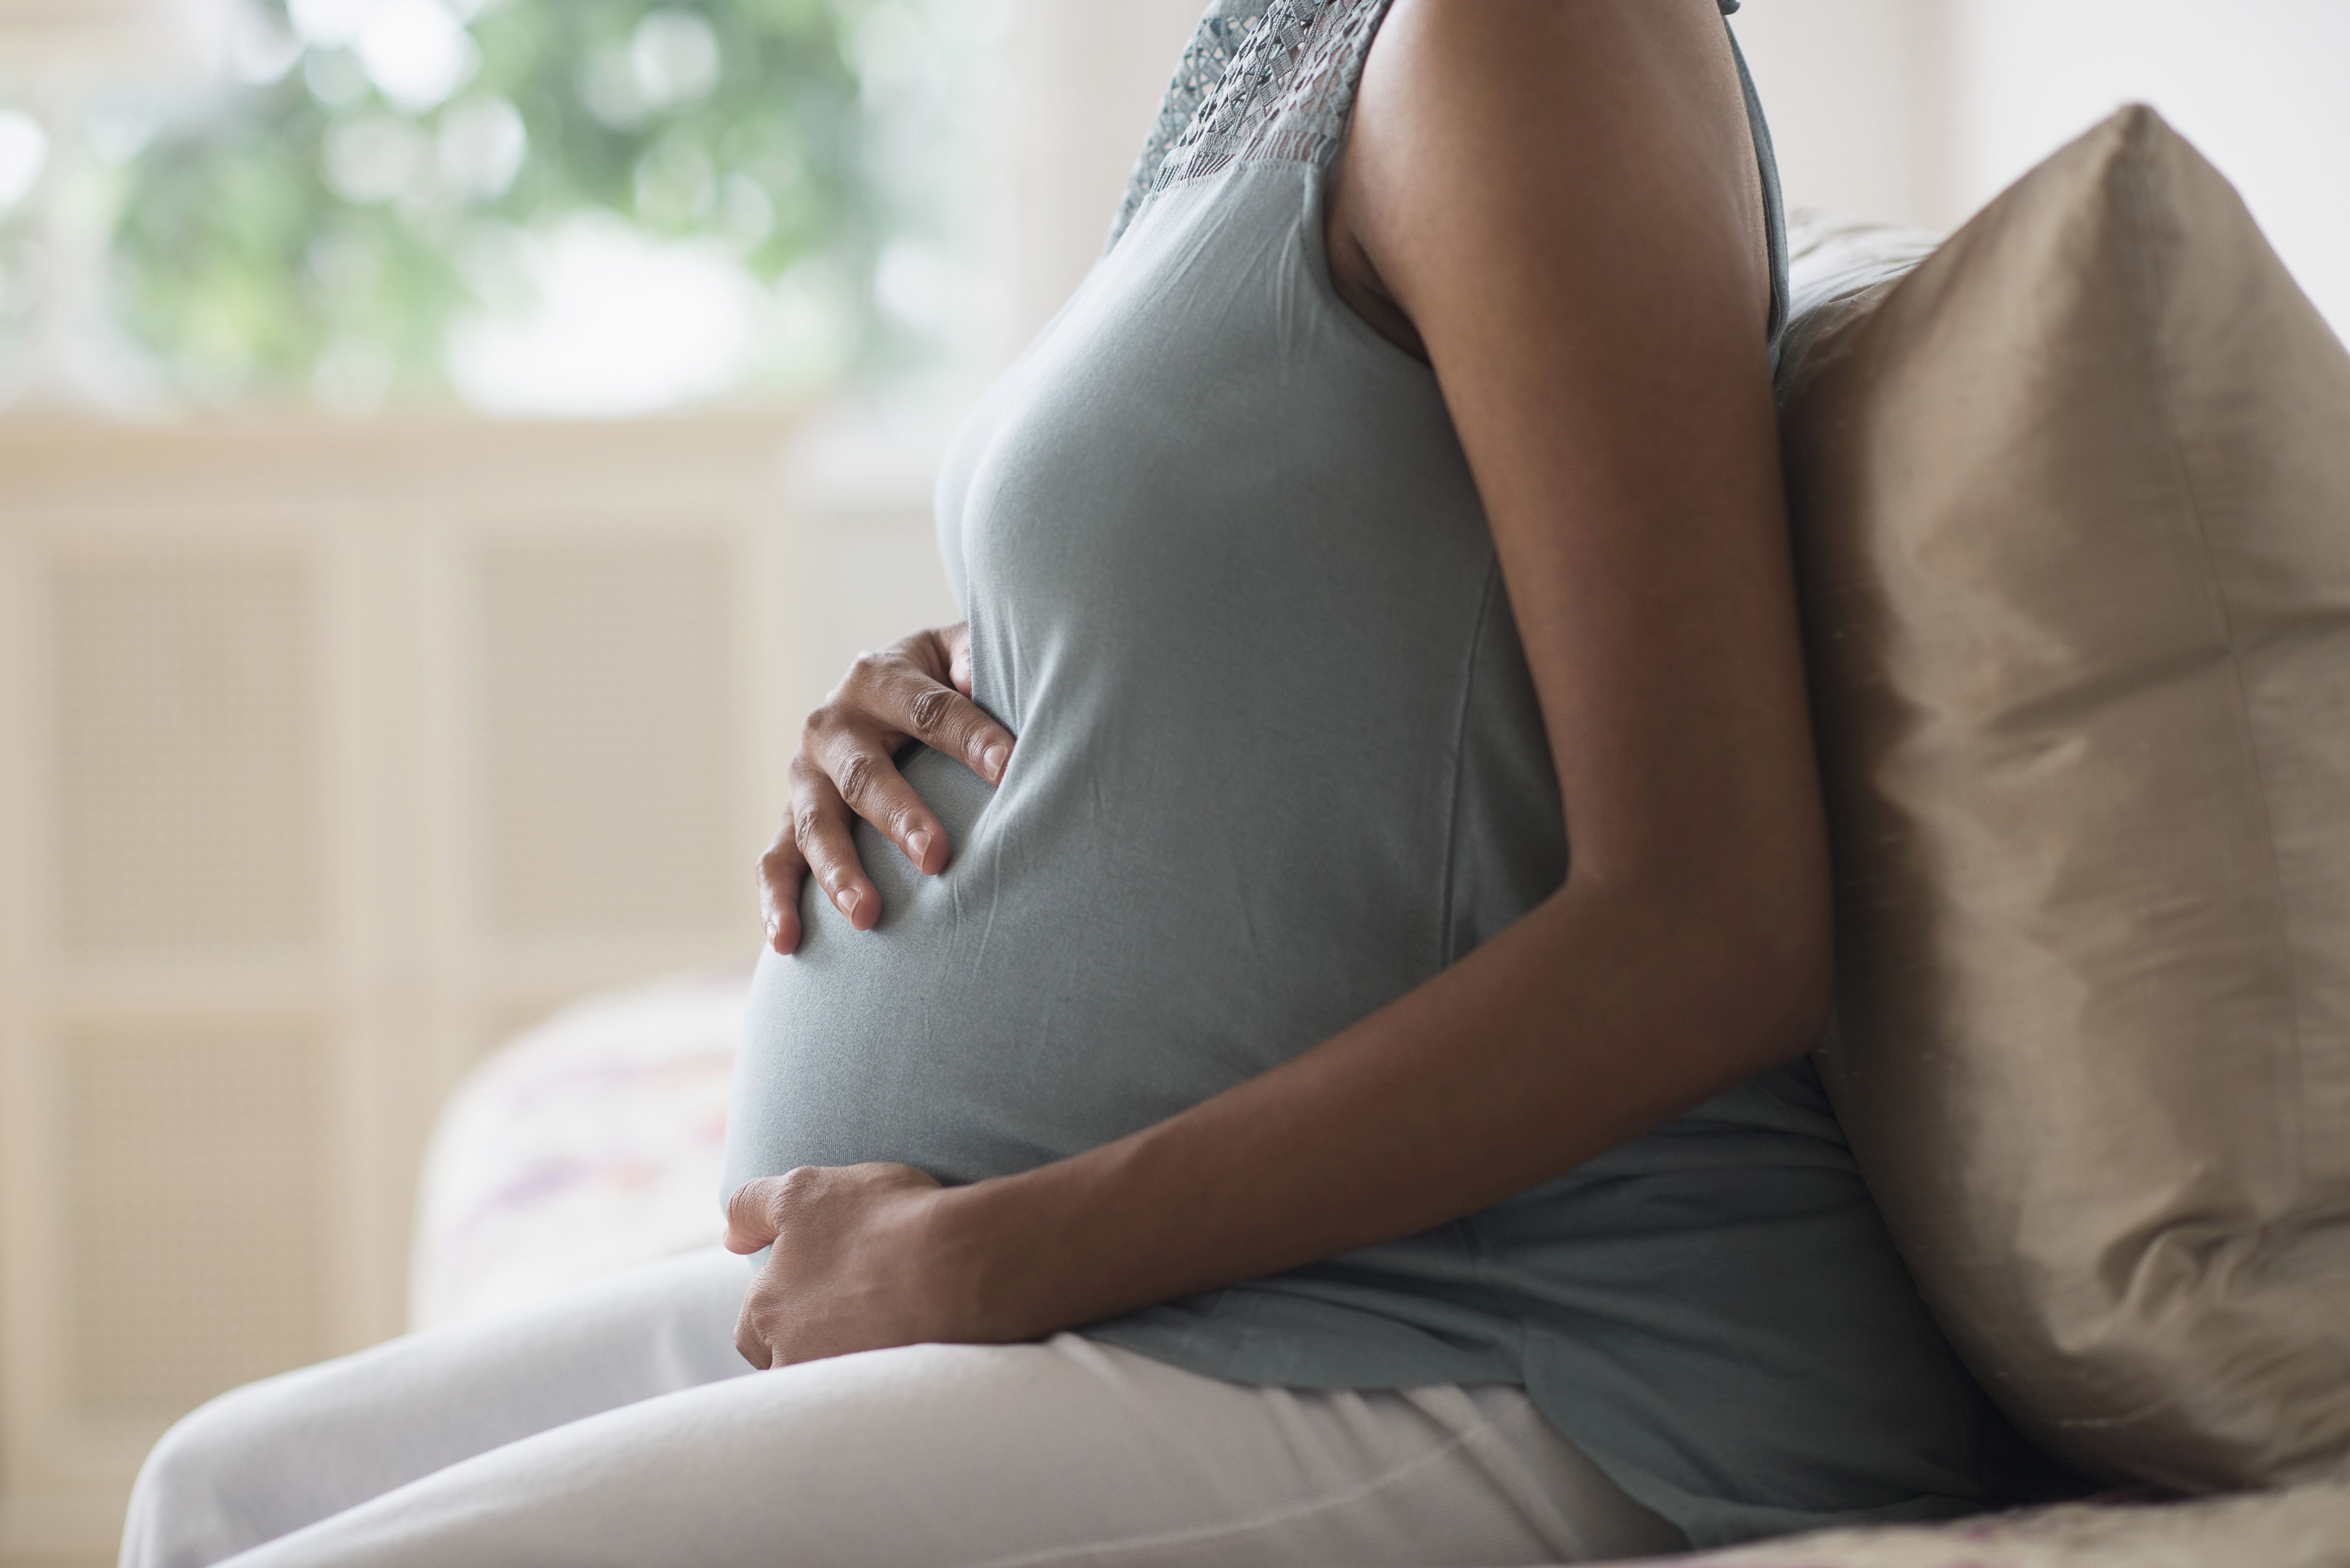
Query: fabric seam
[[2140, 177], [1446, 952], [1453, 1443]]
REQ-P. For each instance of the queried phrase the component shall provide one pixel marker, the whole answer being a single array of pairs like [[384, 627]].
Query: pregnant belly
[[1077, 973], [994, 1018]]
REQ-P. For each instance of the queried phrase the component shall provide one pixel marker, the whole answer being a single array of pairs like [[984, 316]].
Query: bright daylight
[[1282, 783]]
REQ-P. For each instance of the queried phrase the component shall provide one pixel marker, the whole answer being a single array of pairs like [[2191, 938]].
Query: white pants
[[615, 1424]]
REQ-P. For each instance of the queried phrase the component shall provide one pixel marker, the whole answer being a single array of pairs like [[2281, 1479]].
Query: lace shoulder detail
[[1260, 79]]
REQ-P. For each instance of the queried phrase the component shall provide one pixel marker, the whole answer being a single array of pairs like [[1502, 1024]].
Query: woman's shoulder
[[1540, 113]]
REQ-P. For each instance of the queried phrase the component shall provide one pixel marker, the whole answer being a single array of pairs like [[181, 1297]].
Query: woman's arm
[[1559, 205]]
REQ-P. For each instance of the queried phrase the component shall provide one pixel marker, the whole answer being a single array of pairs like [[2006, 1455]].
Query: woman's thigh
[[277, 1454], [1061, 1453]]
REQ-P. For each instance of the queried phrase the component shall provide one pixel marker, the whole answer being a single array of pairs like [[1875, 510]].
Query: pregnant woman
[[1200, 1112]]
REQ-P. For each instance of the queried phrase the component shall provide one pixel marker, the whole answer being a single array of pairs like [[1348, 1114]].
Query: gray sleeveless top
[[1279, 761]]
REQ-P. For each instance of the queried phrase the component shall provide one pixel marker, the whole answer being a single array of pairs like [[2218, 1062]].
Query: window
[[521, 206]]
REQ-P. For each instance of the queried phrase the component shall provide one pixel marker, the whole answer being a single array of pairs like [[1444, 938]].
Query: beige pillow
[[2072, 507]]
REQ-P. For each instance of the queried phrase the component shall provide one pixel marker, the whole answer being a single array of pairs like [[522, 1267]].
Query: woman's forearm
[[1597, 1016]]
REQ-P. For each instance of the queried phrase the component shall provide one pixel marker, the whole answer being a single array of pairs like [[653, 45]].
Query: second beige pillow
[[2072, 504]]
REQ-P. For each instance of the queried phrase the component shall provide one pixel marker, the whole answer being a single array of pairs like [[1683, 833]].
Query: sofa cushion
[[2302, 1527], [2072, 509]]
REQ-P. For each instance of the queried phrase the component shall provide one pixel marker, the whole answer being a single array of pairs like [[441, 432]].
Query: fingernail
[[918, 844], [997, 755], [846, 899]]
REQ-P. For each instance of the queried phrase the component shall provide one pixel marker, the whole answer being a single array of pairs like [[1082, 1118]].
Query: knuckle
[[798, 1187], [930, 710], [824, 724], [856, 775]]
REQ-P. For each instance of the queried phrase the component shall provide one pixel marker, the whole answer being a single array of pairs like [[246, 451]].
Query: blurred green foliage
[[342, 201]]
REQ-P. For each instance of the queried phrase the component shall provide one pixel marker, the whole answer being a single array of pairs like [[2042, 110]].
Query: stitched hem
[[1209, 1534]]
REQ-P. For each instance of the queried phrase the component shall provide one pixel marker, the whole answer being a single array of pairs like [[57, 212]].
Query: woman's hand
[[863, 1259], [917, 689]]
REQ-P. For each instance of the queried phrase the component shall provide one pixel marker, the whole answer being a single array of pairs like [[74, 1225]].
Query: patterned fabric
[[1262, 78], [587, 1144], [1277, 79], [1198, 74]]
